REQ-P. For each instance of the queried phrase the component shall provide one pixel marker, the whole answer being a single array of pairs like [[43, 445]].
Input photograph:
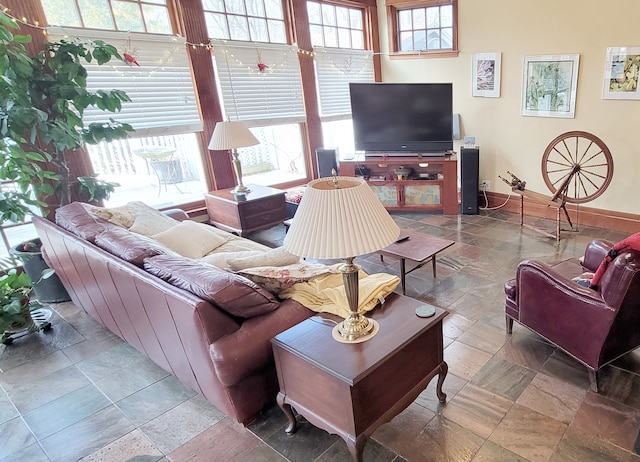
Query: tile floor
[[78, 392]]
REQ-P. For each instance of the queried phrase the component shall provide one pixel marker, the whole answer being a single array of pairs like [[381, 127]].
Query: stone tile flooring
[[77, 392]]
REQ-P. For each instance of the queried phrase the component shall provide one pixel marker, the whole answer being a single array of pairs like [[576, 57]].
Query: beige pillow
[[219, 259], [275, 279], [272, 257], [190, 239], [150, 222], [122, 216]]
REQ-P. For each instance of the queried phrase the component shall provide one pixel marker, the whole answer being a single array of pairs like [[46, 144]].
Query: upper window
[[430, 28], [335, 26], [246, 20], [125, 15]]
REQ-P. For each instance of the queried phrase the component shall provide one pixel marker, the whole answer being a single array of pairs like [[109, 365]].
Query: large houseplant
[[17, 314], [42, 102]]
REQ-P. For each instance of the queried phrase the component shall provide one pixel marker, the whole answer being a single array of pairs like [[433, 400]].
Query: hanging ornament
[[129, 54], [261, 66]]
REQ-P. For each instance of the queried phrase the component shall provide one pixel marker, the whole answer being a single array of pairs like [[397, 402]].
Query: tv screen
[[402, 117]]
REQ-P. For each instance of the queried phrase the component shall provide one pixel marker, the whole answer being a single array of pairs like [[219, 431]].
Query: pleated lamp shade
[[342, 222], [231, 135]]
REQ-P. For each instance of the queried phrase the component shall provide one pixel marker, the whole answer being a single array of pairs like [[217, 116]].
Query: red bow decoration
[[130, 59], [262, 67]]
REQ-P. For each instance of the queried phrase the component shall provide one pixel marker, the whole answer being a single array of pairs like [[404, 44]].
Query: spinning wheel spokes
[[578, 166]]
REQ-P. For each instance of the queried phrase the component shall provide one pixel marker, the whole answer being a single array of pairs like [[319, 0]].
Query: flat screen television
[[402, 118]]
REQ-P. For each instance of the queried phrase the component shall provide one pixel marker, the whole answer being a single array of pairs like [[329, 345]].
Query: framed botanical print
[[549, 85], [486, 75], [621, 73]]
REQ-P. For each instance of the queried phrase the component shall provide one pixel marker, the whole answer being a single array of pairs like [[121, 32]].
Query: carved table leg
[[444, 368], [286, 408], [356, 447]]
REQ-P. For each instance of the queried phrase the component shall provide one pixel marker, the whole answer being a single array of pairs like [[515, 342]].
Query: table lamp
[[341, 217], [231, 136]]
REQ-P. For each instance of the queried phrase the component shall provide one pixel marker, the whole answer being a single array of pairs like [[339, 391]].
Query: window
[[337, 34], [426, 28], [160, 163], [247, 20], [126, 15], [260, 85], [335, 26]]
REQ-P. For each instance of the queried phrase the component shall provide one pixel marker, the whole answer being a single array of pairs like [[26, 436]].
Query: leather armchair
[[593, 326]]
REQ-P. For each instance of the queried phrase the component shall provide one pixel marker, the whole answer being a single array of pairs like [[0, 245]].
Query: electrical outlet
[[486, 184]]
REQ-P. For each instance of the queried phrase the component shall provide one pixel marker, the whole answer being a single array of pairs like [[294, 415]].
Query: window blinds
[[260, 82], [335, 69], [163, 100]]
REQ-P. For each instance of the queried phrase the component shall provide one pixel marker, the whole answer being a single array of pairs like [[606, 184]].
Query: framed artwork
[[549, 85], [621, 73], [486, 75]]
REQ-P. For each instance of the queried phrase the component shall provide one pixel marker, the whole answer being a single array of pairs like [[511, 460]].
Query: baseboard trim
[[581, 215]]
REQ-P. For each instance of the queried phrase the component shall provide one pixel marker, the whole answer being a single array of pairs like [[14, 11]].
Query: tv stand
[[430, 184]]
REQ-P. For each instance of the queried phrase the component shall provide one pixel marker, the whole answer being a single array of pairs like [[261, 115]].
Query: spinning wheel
[[577, 166]]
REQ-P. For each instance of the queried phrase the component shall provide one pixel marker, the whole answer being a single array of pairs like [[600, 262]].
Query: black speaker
[[469, 182], [326, 160]]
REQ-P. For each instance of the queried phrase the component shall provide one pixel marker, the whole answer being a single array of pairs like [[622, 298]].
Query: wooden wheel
[[577, 166]]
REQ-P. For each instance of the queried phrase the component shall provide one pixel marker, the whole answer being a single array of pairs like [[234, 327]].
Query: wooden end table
[[419, 248], [350, 389], [262, 208]]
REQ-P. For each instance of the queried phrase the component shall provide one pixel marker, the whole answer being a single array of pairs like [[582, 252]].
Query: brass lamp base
[[354, 327], [241, 189]]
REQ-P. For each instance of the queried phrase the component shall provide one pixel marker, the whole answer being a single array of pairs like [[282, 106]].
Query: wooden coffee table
[[350, 389], [419, 248]]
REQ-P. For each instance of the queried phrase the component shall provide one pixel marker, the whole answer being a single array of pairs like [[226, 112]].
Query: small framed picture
[[486, 75], [549, 85], [621, 73]]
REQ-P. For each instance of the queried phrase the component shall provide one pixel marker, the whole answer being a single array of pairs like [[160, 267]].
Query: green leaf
[[22, 38]]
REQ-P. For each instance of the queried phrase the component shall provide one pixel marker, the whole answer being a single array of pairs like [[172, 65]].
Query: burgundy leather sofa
[[228, 359], [593, 326]]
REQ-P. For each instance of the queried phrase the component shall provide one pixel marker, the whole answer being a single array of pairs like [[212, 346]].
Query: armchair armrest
[[594, 253], [571, 316]]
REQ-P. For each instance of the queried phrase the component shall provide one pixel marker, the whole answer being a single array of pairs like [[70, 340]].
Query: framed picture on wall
[[621, 73], [486, 75], [549, 85]]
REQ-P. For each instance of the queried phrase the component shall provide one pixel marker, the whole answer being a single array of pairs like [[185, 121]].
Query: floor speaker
[[469, 182], [326, 160]]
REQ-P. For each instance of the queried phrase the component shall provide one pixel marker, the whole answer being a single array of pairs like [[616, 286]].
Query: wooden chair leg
[[509, 324]]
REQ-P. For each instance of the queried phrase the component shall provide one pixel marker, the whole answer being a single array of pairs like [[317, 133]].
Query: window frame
[[395, 6]]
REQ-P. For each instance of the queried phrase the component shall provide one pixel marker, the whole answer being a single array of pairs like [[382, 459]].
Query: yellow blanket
[[326, 293]]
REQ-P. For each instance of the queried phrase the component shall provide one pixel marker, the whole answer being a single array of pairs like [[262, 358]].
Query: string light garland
[[23, 20]]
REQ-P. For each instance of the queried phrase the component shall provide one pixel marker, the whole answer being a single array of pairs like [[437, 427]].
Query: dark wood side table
[[352, 389], [263, 207]]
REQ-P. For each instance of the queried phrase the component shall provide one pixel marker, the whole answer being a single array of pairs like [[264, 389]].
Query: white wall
[[518, 28]]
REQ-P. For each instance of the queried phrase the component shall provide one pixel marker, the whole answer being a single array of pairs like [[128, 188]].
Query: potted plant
[[18, 314], [42, 102]]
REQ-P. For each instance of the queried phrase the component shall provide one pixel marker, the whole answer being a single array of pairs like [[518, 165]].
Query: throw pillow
[[150, 222], [272, 257], [190, 239], [122, 216], [232, 293], [219, 259], [130, 247], [275, 279]]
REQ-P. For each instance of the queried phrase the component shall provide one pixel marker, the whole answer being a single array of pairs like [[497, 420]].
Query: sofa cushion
[[190, 239], [129, 246], [150, 222], [76, 218], [275, 279], [272, 257], [232, 293]]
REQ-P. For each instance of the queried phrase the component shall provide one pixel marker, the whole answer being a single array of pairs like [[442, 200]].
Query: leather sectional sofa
[[225, 354]]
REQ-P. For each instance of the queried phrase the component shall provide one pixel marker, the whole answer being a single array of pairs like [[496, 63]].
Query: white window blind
[[163, 99], [335, 69], [260, 82]]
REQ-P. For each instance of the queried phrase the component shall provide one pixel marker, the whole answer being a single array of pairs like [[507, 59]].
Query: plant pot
[[49, 290]]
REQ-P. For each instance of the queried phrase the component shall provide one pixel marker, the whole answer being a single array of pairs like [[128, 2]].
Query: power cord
[[486, 200]]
